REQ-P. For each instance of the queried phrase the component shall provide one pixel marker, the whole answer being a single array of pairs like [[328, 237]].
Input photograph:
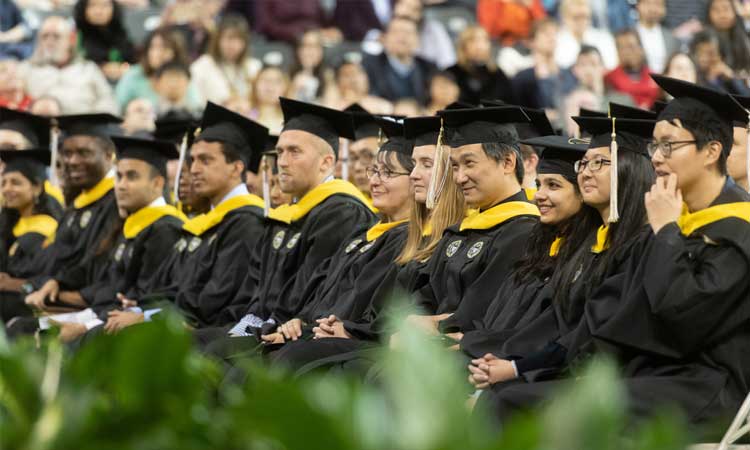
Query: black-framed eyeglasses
[[594, 165], [666, 148], [384, 173]]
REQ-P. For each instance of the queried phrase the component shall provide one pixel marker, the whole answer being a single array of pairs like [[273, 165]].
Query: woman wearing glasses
[[520, 377], [343, 287]]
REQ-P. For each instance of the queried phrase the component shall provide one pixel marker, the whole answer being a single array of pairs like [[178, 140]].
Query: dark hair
[[172, 39], [707, 36], [635, 178], [574, 232], [629, 32], [231, 154], [587, 49], [321, 72], [712, 128], [100, 43], [45, 204], [498, 151], [230, 22], [172, 66], [404, 160], [733, 43]]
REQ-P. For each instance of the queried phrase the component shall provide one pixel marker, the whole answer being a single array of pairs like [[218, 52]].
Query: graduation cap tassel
[[344, 159], [180, 163], [54, 138], [266, 186], [437, 180], [614, 214]]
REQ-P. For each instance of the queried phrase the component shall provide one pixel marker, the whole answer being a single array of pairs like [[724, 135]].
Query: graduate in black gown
[[689, 289], [339, 341], [216, 245], [23, 131], [28, 221], [299, 237], [78, 255], [150, 229], [513, 374], [566, 224], [477, 254]]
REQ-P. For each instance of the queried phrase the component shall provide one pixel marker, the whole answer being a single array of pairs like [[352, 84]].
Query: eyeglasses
[[594, 165], [383, 174], [666, 148]]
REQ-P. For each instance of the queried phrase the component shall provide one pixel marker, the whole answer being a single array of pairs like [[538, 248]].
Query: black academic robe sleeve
[[25, 261], [703, 299], [221, 273], [331, 225]]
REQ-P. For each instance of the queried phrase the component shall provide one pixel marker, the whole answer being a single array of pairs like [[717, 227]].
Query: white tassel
[[439, 172], [614, 214], [266, 186], [54, 139], [180, 163], [344, 157]]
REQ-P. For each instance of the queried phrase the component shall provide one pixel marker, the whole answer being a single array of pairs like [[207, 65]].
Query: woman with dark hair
[[28, 222], [734, 42], [511, 376], [227, 70], [162, 46], [102, 37], [566, 224], [310, 75]]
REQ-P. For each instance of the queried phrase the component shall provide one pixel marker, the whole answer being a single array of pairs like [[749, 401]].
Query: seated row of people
[[636, 246]]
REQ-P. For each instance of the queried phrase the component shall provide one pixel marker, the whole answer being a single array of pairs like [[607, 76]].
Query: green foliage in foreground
[[147, 389]]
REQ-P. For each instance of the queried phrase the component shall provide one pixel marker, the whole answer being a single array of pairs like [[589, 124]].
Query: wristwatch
[[27, 288]]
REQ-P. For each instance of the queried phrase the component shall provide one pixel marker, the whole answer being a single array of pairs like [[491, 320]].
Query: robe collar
[[507, 209], [731, 202], [380, 228], [101, 189], [554, 248], [38, 223], [602, 239], [204, 222], [292, 213], [54, 192], [144, 217]]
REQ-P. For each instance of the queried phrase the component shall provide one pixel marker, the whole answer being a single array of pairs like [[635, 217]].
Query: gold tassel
[[266, 186], [614, 214], [437, 180]]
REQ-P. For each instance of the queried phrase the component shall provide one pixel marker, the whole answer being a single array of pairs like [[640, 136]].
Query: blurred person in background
[[15, 33], [681, 66], [588, 74], [310, 75], [734, 43], [227, 70], [509, 21], [172, 85], [283, 20], [353, 86], [435, 44], [407, 107], [712, 69], [540, 86], [160, 47], [102, 37], [270, 84], [55, 69], [661, 42], [12, 92], [398, 72], [631, 77], [47, 106], [140, 115], [576, 30], [443, 91], [193, 20], [475, 72]]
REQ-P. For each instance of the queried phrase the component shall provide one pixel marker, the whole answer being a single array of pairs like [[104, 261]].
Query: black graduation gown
[[347, 283], [75, 259], [688, 346], [134, 262], [216, 262], [469, 265], [21, 260], [290, 253]]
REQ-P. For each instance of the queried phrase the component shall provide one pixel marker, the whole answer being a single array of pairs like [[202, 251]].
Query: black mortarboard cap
[[101, 125], [326, 123], [539, 125], [364, 122], [744, 101], [630, 112], [271, 142], [482, 125], [658, 107], [393, 130], [691, 102], [422, 130], [36, 129], [220, 124], [585, 112], [154, 152], [559, 153], [174, 130], [460, 105], [631, 134], [31, 163]]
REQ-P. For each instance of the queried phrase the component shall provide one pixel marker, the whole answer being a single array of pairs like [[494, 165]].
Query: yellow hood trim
[[497, 214], [204, 222], [101, 189], [144, 217], [292, 213]]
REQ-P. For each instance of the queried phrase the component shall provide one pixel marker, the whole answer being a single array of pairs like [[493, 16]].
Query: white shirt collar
[[158, 202], [238, 190]]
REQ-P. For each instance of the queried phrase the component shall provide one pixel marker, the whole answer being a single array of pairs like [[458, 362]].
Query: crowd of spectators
[[146, 59]]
